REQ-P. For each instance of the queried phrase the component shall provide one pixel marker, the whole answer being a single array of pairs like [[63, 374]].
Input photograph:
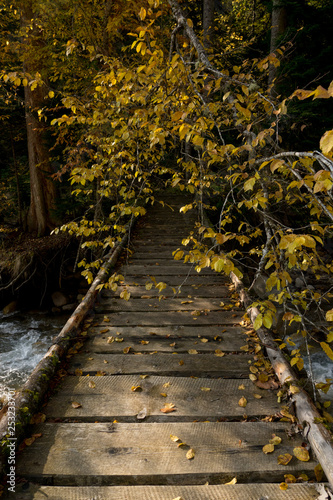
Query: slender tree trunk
[[208, 12], [278, 28], [42, 189]]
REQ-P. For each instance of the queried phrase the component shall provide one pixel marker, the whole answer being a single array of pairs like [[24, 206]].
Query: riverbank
[[39, 273]]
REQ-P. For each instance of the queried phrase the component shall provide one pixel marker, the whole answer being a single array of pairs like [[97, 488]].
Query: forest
[[106, 103]]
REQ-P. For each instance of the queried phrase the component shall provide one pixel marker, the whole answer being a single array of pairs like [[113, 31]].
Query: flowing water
[[24, 339]]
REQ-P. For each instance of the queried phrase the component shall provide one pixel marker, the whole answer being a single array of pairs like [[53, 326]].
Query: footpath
[[157, 403]]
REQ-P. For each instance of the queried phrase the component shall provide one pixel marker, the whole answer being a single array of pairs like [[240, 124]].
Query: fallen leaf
[[127, 350], [268, 448], [174, 438], [257, 396], [167, 384], [78, 372], [119, 339], [168, 408], [242, 402], [106, 319], [284, 459], [178, 498], [76, 405], [100, 374], [29, 441], [190, 454], [275, 440], [204, 340], [241, 387], [301, 453], [144, 376], [105, 361], [294, 389], [206, 389], [192, 351], [233, 481], [163, 394], [181, 362], [136, 388], [110, 340], [92, 384], [144, 342], [105, 330], [39, 418], [290, 479], [270, 384], [179, 445], [283, 486], [219, 353], [318, 470]]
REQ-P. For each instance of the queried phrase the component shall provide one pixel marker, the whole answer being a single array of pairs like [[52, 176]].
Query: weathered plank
[[148, 303], [199, 365], [104, 344], [143, 453], [207, 492], [194, 398], [229, 338], [185, 318], [175, 280], [177, 268], [185, 291]]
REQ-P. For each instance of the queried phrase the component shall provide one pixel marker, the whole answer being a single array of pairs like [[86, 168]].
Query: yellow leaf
[[242, 402], [233, 481], [163, 394], [136, 388], [326, 142], [206, 389], [219, 353], [78, 372], [51, 94], [127, 350], [284, 459], [241, 387], [283, 486], [327, 350], [204, 340], [290, 478], [192, 351], [174, 438], [142, 13], [268, 448], [190, 454], [29, 441], [257, 396], [318, 470], [92, 384], [301, 453], [189, 23], [275, 440]]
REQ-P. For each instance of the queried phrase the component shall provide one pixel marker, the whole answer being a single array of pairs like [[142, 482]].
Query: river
[[24, 339]]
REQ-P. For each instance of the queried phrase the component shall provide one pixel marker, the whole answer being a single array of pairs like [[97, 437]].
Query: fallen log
[[27, 401], [307, 414]]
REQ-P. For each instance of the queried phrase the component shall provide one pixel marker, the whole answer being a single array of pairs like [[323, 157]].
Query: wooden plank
[[195, 279], [184, 318], [103, 344], [232, 337], [113, 397], [148, 303], [207, 492], [176, 268], [185, 291], [201, 365], [143, 453]]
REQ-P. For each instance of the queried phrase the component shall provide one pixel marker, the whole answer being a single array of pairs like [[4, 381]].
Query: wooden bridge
[[157, 404]]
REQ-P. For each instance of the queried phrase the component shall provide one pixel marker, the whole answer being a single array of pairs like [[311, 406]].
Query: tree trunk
[[278, 28], [208, 22], [42, 189]]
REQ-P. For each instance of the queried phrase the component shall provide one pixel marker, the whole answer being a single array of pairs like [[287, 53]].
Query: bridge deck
[[157, 404]]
